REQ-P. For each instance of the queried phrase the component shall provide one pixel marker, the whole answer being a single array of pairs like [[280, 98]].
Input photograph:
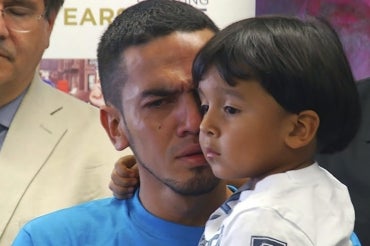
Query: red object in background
[[63, 85]]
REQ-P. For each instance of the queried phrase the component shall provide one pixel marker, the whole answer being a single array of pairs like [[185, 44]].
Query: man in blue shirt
[[145, 59]]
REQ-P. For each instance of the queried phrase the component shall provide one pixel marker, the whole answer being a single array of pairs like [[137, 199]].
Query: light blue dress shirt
[[7, 113]]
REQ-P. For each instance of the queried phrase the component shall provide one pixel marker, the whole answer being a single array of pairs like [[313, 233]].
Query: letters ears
[[112, 122], [303, 131]]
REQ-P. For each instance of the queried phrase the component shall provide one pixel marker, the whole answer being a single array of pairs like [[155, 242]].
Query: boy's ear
[[112, 122], [303, 132]]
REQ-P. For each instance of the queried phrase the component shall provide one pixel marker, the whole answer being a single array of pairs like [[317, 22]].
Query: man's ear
[[51, 21], [112, 122], [305, 126]]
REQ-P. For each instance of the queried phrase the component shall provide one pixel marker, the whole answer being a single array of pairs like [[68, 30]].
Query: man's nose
[[3, 28], [190, 116]]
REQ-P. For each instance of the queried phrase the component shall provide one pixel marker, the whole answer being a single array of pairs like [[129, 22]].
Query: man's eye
[[18, 11], [203, 109], [155, 104], [159, 102], [231, 110]]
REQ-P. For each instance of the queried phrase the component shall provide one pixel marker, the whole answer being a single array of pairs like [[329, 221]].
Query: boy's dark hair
[[301, 63], [52, 6], [140, 24]]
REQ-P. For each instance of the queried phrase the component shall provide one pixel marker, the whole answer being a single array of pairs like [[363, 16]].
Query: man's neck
[[186, 210], [10, 91]]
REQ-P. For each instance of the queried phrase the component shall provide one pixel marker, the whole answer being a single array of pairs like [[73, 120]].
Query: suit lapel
[[30, 141]]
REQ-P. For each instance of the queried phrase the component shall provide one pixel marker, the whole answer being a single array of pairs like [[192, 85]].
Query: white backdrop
[[80, 23]]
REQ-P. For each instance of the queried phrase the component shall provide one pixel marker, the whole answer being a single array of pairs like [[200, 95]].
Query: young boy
[[274, 91]]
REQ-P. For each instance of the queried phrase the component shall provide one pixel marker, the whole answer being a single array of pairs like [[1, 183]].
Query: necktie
[[2, 134]]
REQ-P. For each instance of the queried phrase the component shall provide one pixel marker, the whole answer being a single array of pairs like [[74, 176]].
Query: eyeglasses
[[20, 19]]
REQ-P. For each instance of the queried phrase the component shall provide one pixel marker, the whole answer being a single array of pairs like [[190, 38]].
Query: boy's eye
[[204, 109], [231, 110]]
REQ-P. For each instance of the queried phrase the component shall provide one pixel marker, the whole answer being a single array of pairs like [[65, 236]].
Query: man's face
[[20, 52], [161, 114]]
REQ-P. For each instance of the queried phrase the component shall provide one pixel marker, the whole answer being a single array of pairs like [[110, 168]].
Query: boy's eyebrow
[[199, 91], [226, 91], [233, 93]]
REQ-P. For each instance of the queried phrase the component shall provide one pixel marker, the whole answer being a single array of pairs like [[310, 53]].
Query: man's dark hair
[[299, 62], [140, 24], [52, 6]]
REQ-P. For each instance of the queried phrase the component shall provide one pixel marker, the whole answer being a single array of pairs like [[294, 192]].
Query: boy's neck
[[294, 166]]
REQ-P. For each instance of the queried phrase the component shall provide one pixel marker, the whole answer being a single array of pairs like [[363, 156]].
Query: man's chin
[[196, 186]]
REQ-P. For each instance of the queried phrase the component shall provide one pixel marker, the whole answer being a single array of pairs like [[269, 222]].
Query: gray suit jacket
[[56, 154], [352, 166]]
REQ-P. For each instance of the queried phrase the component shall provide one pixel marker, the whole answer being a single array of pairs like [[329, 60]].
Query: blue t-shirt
[[106, 222]]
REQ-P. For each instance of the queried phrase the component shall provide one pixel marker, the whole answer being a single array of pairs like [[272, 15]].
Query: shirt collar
[[7, 112]]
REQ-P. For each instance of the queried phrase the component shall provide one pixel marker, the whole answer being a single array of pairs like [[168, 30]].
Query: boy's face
[[243, 128]]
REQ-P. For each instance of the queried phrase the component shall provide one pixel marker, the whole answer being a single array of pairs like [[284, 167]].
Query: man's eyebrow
[[18, 1], [26, 3], [160, 92]]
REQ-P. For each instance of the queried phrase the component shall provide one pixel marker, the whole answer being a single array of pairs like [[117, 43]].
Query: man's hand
[[124, 178]]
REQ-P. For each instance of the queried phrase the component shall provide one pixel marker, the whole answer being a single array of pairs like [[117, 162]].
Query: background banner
[[80, 24], [70, 62], [350, 18]]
